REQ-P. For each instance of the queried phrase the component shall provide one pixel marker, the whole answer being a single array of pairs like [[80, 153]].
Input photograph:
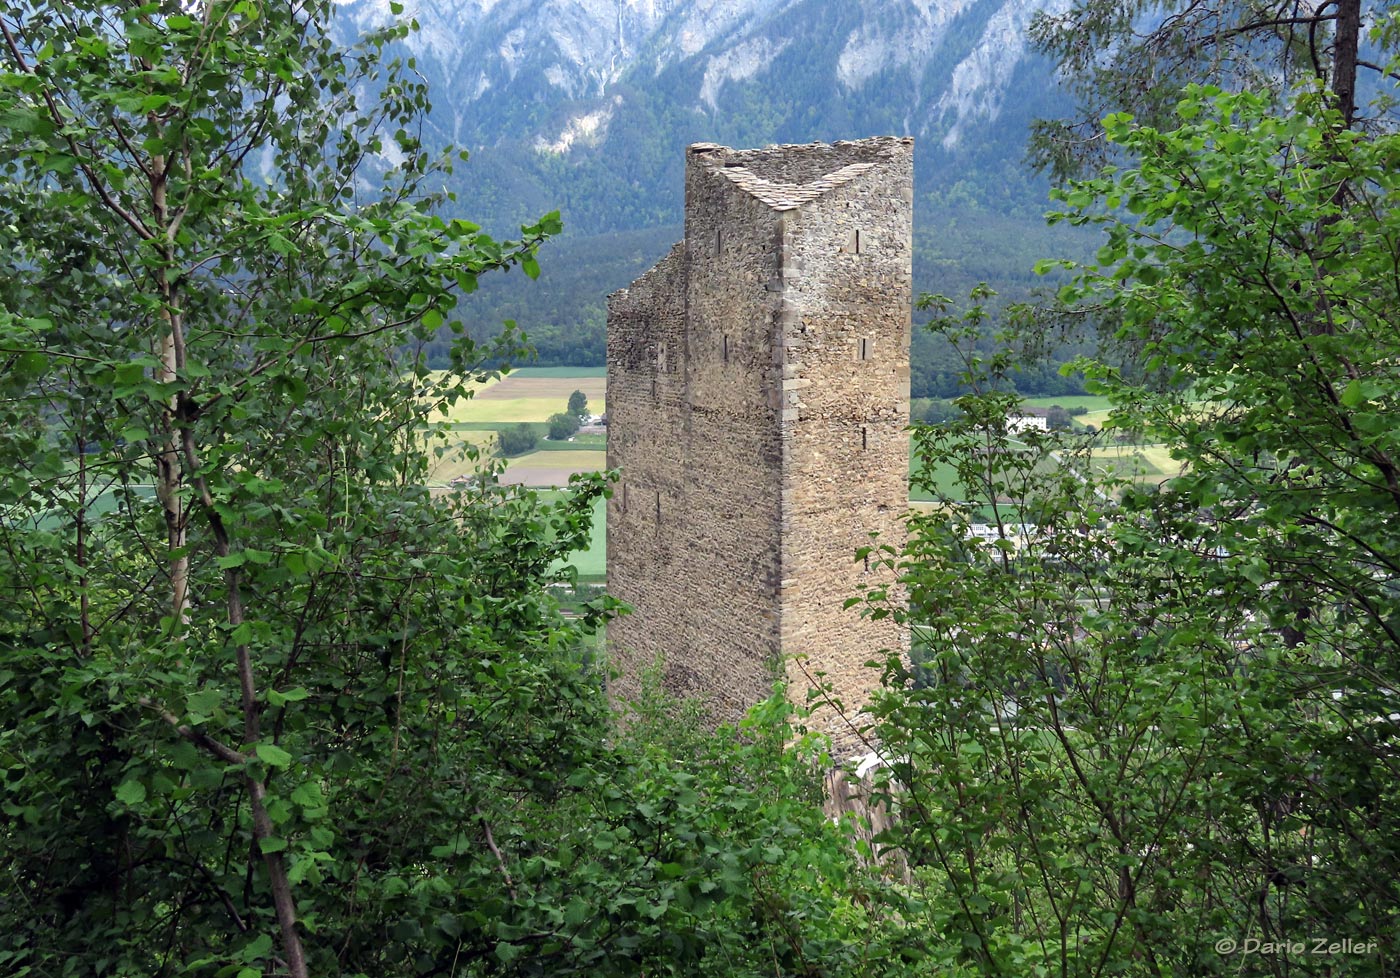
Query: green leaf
[[274, 755], [308, 795], [203, 702], [258, 948], [131, 793], [277, 698], [30, 365], [1351, 394]]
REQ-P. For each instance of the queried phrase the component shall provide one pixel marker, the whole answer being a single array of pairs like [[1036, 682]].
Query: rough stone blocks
[[758, 400]]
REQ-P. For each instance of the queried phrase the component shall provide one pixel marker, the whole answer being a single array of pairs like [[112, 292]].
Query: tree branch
[[197, 737]]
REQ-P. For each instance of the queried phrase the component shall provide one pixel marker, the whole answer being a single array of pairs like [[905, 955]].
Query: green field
[[528, 394], [1069, 402], [591, 564], [559, 372]]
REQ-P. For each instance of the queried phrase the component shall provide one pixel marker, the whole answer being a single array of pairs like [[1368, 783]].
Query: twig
[[197, 737], [495, 851]]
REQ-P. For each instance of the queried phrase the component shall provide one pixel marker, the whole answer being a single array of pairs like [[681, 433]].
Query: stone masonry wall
[[845, 410], [703, 579], [757, 395]]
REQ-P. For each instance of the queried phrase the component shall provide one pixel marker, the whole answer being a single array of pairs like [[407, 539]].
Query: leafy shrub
[[517, 439], [562, 426]]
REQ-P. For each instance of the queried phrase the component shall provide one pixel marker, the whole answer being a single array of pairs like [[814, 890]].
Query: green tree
[[1137, 56], [1057, 418], [578, 404], [1145, 720], [220, 449], [563, 426], [517, 439], [269, 705]]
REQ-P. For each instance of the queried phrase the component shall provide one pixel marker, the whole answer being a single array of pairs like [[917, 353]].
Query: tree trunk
[[1345, 46]]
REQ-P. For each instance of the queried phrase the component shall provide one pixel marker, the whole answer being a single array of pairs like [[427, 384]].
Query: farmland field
[[552, 468], [531, 395], [573, 372], [522, 396]]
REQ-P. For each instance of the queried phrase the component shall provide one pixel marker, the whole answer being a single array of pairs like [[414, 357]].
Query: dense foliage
[[1137, 55], [1152, 730], [517, 439], [269, 705]]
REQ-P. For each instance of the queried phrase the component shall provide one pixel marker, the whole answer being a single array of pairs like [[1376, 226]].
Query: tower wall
[[757, 396], [697, 558], [844, 420]]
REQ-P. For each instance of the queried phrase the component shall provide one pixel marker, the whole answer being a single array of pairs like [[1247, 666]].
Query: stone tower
[[758, 395]]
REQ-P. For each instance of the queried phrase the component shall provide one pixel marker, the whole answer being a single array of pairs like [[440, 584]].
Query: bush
[[517, 439], [562, 426]]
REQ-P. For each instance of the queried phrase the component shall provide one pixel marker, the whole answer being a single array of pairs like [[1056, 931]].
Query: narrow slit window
[[719, 241], [853, 243], [624, 498], [865, 348], [726, 348], [864, 438], [658, 508], [661, 358]]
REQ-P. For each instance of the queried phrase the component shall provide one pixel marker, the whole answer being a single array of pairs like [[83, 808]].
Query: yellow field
[[477, 388], [1128, 460], [516, 398], [454, 463]]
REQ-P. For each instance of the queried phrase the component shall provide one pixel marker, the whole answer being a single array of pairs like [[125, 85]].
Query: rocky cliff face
[[555, 75]]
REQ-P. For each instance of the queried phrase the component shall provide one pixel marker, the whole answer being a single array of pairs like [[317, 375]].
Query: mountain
[[586, 106]]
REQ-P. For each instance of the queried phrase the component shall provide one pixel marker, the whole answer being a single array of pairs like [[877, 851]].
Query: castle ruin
[[758, 399]]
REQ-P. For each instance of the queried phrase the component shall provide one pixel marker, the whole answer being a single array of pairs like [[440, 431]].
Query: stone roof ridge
[[789, 196]]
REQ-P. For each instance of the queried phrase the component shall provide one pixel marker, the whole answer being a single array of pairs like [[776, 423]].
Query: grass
[[943, 474], [578, 459], [591, 563], [451, 466], [454, 463], [595, 443], [504, 410], [559, 372], [1069, 402], [1142, 463]]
